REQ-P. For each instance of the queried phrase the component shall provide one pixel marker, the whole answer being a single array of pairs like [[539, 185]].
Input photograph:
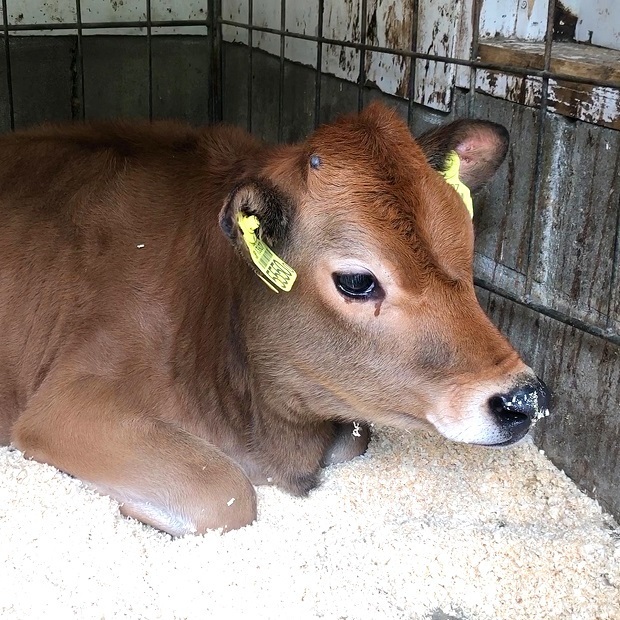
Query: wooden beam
[[575, 59]]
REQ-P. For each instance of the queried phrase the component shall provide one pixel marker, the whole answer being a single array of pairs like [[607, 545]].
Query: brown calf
[[142, 354]]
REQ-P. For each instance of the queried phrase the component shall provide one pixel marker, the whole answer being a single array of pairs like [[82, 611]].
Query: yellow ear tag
[[451, 175], [277, 274]]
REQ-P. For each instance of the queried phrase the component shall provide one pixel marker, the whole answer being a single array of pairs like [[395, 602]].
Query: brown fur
[[169, 375]]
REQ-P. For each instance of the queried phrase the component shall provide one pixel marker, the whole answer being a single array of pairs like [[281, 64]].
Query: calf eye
[[360, 286]]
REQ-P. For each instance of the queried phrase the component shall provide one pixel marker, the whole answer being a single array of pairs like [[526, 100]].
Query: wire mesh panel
[[124, 59]]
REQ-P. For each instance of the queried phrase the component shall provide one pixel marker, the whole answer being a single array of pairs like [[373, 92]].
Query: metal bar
[[79, 65], [250, 60], [119, 25], [535, 199], [615, 265], [412, 66], [215, 92], [475, 42], [7, 64], [149, 51], [281, 79], [491, 66], [319, 66], [362, 74], [605, 334]]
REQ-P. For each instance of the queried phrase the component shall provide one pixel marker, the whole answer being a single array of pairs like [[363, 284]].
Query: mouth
[[517, 434]]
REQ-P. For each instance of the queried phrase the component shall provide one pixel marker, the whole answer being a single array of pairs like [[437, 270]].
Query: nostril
[[530, 400], [516, 410], [496, 404], [506, 413]]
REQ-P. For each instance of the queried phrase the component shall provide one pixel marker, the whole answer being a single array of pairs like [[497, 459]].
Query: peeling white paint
[[444, 29], [342, 20], [93, 11], [389, 25], [526, 91], [392, 24], [599, 22], [602, 105], [521, 19], [462, 48], [594, 104]]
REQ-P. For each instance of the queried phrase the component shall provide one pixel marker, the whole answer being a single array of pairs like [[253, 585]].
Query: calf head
[[382, 324]]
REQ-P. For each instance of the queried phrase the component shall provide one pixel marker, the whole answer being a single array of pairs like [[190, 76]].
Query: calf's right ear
[[480, 145], [261, 199]]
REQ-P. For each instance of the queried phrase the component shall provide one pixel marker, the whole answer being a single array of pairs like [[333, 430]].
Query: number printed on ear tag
[[278, 275]]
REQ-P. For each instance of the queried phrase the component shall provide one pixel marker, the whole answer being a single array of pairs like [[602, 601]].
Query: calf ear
[[481, 147], [261, 199]]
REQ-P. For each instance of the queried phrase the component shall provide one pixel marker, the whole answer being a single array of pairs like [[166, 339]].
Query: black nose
[[517, 409]]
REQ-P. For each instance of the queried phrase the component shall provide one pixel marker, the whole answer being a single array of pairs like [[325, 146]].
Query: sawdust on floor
[[417, 528]]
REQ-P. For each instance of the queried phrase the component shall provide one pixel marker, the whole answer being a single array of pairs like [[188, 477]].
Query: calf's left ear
[[263, 200], [480, 145]]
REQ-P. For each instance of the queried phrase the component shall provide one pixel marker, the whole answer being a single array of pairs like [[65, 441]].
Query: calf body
[[141, 353]]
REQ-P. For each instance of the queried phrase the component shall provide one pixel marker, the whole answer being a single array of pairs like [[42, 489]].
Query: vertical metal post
[[250, 60], [7, 63], [615, 265], [79, 65], [362, 75], [149, 51], [535, 199], [319, 66], [216, 113], [412, 62], [475, 38], [281, 80]]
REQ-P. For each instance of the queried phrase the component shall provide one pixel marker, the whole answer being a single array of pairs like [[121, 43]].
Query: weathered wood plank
[[594, 104], [583, 372], [299, 102], [436, 35], [577, 215], [585, 61], [337, 97], [389, 25], [342, 21], [502, 211], [525, 19], [265, 95]]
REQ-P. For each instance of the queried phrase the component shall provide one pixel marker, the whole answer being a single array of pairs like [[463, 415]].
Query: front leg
[[290, 452], [350, 440], [119, 437]]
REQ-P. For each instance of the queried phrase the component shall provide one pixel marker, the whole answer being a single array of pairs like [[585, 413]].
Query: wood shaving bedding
[[417, 528]]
